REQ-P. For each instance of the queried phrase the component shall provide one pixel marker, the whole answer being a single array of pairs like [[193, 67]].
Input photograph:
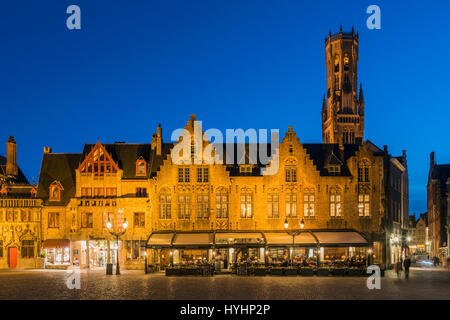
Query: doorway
[[12, 257]]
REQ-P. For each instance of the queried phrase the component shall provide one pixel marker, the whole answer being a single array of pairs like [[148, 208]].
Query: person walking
[[407, 264], [397, 268]]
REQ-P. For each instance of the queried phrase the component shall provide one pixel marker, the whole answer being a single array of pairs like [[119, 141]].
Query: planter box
[[242, 270], [173, 271], [291, 271], [276, 271], [338, 272], [323, 272], [308, 272], [354, 272], [260, 271]]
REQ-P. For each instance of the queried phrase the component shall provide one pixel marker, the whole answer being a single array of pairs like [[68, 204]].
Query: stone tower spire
[[344, 118]]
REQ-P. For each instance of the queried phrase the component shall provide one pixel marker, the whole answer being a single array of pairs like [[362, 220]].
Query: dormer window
[[55, 191], [141, 167], [334, 170], [3, 192], [33, 192], [245, 169]]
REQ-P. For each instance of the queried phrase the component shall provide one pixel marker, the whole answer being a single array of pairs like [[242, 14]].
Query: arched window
[[55, 191], [336, 63], [141, 167], [346, 61]]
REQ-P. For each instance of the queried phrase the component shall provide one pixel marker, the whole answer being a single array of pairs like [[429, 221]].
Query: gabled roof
[[125, 156], [320, 153], [58, 167]]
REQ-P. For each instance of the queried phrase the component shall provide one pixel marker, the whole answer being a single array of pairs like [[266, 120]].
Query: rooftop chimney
[[11, 157], [432, 159], [47, 150]]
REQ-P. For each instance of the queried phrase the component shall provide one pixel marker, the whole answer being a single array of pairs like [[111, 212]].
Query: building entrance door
[[12, 257]]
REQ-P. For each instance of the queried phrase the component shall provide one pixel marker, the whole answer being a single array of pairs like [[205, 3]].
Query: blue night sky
[[233, 63]]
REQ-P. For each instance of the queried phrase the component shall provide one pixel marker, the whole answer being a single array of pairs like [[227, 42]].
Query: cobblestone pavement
[[51, 284]]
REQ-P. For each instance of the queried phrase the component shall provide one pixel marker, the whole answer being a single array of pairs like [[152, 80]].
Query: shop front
[[57, 252]]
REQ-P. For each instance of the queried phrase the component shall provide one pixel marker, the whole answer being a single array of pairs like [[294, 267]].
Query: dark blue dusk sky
[[233, 63]]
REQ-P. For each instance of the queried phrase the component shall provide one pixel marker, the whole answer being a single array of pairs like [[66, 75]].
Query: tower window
[[346, 61], [336, 63]]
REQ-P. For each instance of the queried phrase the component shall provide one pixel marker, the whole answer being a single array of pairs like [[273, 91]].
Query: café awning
[[274, 239], [192, 239], [56, 243], [160, 240], [340, 238], [239, 238]]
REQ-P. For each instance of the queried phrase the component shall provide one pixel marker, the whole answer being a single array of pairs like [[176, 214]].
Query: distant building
[[438, 206], [20, 214], [418, 234]]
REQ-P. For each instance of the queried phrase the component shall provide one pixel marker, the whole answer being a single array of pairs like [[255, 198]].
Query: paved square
[[51, 284]]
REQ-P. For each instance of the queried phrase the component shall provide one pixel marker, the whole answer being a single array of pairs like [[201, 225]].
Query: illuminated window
[[165, 206], [245, 169], [222, 205], [184, 206], [246, 205], [53, 219], [346, 61], [291, 205], [272, 205], [336, 63], [335, 204], [1, 248], [203, 206], [308, 205], [364, 205], [108, 216]]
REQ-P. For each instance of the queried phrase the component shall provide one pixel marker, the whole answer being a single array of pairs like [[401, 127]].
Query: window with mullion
[[246, 205], [203, 206], [291, 205], [308, 205], [184, 206], [222, 205], [165, 206], [272, 205]]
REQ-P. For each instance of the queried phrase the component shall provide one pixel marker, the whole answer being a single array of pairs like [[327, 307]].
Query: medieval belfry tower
[[342, 108]]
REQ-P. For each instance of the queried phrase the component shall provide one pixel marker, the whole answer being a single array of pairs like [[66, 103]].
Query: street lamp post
[[293, 233], [117, 235]]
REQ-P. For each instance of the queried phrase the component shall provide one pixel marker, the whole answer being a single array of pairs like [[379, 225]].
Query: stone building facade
[[418, 233], [340, 191], [438, 207], [20, 215]]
